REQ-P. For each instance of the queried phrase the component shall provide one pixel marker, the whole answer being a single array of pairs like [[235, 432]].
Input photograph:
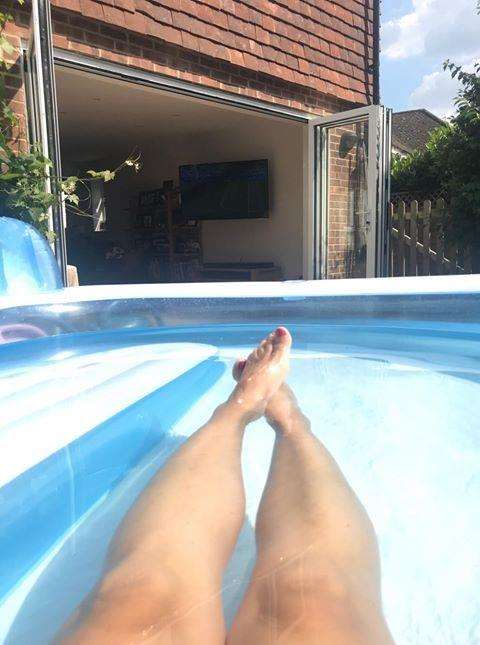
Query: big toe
[[282, 340]]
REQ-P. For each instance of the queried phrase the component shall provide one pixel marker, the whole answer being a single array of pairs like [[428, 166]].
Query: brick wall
[[311, 55], [86, 36], [325, 45], [14, 86]]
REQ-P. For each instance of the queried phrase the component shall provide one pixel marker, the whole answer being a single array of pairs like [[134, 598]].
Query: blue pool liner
[[40, 505]]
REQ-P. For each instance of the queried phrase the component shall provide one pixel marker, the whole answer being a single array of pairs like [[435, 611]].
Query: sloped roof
[[411, 129]]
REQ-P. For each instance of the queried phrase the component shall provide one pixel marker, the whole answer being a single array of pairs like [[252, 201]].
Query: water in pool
[[88, 418]]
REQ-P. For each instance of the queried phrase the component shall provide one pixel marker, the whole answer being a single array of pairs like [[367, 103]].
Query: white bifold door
[[351, 162], [43, 115]]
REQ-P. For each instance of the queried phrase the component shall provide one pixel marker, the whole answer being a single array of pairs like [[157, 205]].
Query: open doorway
[[142, 230]]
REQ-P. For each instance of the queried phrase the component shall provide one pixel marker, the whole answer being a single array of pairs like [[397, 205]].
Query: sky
[[416, 37]]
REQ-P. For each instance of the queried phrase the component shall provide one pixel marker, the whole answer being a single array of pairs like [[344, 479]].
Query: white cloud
[[435, 93], [434, 28], [403, 36]]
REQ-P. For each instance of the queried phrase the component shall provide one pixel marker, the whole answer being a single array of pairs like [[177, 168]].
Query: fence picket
[[401, 238], [412, 269], [440, 248], [427, 213], [419, 248]]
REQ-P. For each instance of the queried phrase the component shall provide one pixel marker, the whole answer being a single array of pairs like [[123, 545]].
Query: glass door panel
[[351, 160], [347, 225]]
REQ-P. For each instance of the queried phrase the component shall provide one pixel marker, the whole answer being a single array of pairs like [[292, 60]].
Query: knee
[[138, 598]]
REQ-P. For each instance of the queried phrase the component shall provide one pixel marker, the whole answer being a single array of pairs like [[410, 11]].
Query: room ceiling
[[99, 116]]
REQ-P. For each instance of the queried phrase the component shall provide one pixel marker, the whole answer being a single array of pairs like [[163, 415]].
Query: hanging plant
[[24, 174]]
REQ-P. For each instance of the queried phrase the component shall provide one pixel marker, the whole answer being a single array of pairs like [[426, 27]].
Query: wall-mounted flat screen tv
[[232, 190]]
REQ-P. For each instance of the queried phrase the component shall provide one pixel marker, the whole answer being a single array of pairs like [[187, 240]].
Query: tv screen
[[233, 190]]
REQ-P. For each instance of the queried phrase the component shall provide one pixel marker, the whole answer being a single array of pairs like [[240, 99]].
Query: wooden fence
[[417, 244]]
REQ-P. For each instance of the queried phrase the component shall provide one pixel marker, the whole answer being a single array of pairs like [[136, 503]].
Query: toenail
[[281, 331]]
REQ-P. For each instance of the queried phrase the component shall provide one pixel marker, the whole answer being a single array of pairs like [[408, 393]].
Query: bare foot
[[261, 374], [282, 410]]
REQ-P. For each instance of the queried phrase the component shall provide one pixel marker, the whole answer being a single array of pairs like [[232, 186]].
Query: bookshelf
[[173, 243]]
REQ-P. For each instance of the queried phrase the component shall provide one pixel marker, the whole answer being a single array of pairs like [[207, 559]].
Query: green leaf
[[73, 199], [8, 176], [6, 45], [106, 175]]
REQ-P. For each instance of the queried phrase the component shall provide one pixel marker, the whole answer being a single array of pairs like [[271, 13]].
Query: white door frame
[[312, 178], [378, 179], [169, 84], [42, 105]]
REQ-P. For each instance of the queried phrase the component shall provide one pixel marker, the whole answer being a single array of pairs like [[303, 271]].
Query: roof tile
[[317, 43]]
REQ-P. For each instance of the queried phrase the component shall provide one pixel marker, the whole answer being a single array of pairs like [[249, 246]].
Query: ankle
[[245, 405], [292, 424], [233, 412]]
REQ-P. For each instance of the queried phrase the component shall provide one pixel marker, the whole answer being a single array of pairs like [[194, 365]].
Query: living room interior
[[219, 197]]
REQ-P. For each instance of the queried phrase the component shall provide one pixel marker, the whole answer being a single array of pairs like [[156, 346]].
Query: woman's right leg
[[317, 576]]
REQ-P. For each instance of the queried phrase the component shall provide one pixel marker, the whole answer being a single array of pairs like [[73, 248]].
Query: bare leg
[[317, 576], [164, 573]]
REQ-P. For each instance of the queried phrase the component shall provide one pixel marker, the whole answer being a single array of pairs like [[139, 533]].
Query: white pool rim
[[291, 289]]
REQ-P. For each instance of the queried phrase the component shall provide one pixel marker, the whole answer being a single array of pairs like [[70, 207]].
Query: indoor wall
[[172, 130]]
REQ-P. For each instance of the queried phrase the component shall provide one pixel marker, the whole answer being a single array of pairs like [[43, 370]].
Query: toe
[[267, 347], [238, 368], [264, 349], [282, 340]]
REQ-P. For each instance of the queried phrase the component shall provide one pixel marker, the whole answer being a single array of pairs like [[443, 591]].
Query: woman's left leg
[[164, 571]]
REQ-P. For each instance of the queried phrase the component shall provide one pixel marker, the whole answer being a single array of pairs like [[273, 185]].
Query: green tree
[[451, 162]]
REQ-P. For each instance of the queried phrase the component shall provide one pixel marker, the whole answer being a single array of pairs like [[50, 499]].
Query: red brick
[[183, 21], [304, 66], [163, 15], [211, 32], [255, 48], [263, 36], [171, 35], [112, 56], [241, 27], [127, 5], [82, 48], [135, 22], [243, 12], [90, 8], [236, 57], [207, 47], [189, 41], [114, 16], [71, 5]]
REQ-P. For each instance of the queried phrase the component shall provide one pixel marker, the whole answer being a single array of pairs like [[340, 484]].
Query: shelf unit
[[159, 225]]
